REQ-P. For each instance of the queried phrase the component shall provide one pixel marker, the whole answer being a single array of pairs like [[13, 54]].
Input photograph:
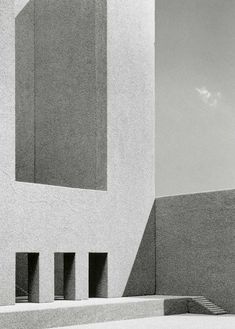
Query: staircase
[[21, 295], [202, 305]]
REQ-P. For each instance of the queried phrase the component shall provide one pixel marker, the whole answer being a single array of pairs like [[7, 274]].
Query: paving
[[186, 321]]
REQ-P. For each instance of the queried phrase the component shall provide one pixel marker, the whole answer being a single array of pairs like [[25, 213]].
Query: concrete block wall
[[195, 246], [46, 219]]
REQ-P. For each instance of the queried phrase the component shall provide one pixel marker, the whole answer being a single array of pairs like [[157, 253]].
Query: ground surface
[[185, 321]]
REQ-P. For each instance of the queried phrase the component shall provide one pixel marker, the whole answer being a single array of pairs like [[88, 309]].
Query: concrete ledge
[[176, 306], [67, 313]]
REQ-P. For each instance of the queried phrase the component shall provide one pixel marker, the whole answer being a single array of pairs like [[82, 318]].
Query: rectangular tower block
[[77, 114], [61, 93]]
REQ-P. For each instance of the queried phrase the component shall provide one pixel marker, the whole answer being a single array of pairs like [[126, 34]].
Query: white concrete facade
[[47, 219]]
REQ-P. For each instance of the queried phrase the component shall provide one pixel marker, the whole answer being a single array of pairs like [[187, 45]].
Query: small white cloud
[[208, 98]]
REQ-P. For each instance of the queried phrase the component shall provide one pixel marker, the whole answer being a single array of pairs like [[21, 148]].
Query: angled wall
[[195, 236], [24, 90], [61, 93], [46, 219], [142, 279]]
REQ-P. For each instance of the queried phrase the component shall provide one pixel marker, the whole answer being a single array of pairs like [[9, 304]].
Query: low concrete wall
[[196, 246]]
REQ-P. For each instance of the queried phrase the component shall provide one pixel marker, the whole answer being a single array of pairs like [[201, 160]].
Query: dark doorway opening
[[64, 271], [98, 275], [27, 277]]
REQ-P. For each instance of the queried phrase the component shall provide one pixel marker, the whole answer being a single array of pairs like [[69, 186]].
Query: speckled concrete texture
[[61, 93], [142, 279], [196, 246], [48, 219], [172, 322], [68, 133], [62, 313], [24, 89]]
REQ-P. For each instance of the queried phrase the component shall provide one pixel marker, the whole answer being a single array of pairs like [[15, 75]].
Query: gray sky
[[195, 138], [195, 125]]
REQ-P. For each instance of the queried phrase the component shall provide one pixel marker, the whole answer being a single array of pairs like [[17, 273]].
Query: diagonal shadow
[[142, 279], [24, 8]]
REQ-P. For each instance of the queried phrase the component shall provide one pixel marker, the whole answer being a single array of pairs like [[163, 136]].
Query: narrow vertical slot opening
[[98, 275]]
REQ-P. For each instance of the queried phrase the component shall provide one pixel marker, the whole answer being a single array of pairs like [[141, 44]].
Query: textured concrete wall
[[196, 246], [47, 219], [68, 132], [61, 93], [25, 129], [142, 279]]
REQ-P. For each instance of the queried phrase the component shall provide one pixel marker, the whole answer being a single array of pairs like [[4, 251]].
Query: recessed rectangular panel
[[27, 277], [98, 275], [59, 276], [64, 271], [33, 277], [70, 93], [21, 278], [61, 93], [69, 276]]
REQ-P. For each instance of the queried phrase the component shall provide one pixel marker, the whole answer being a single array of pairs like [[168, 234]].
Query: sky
[[195, 96]]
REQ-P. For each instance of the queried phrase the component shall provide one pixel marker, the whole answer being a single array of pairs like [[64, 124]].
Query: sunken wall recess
[[61, 93], [98, 275]]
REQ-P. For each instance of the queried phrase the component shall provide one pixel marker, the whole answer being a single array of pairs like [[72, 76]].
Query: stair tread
[[214, 307], [210, 306]]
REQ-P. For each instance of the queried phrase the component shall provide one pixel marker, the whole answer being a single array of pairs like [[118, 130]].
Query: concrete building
[[77, 164], [79, 217]]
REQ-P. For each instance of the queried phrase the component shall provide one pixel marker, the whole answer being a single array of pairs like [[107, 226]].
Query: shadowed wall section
[[37, 217], [98, 275], [24, 89], [61, 93], [21, 274], [27, 276], [196, 246], [142, 277]]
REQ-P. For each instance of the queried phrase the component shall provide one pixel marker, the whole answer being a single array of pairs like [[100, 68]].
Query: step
[[212, 306], [206, 304], [215, 308], [200, 298], [67, 313]]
